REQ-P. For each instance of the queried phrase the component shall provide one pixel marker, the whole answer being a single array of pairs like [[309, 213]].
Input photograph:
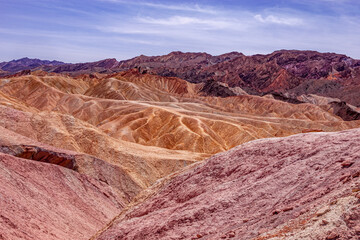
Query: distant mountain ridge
[[286, 72], [26, 63], [102, 66]]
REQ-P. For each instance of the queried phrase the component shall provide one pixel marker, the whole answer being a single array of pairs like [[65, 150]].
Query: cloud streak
[[279, 20], [178, 7], [175, 21], [191, 8]]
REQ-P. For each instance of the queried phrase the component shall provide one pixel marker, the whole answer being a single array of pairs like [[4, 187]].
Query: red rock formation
[[266, 189]]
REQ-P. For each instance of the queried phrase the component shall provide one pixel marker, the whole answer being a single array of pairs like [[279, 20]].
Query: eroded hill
[[299, 187]]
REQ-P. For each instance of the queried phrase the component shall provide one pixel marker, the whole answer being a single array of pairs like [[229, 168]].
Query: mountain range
[[289, 73]]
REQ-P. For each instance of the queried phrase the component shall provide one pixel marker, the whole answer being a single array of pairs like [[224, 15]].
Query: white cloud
[[178, 7], [192, 21], [191, 8], [279, 20]]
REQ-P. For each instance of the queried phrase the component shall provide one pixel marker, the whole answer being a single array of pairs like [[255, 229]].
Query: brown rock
[[357, 196], [276, 211], [231, 234], [357, 229], [345, 178], [332, 236], [287, 209], [347, 163], [324, 222], [322, 211], [355, 174]]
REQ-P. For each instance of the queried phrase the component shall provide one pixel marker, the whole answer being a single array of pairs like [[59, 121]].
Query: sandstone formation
[[299, 187]]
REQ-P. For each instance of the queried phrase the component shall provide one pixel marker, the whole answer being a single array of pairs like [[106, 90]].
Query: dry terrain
[[106, 149]]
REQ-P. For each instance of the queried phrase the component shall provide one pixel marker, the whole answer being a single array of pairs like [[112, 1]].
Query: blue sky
[[80, 31]]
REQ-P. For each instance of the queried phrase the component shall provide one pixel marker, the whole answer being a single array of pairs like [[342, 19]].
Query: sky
[[91, 30]]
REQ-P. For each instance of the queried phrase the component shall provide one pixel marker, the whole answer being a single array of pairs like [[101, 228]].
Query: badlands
[[181, 146]]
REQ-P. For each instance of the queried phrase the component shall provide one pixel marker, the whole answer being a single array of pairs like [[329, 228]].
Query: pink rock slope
[[299, 187]]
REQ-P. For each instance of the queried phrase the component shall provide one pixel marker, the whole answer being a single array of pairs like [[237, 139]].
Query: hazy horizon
[[86, 31]]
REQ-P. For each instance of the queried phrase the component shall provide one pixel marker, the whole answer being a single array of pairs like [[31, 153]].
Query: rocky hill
[[299, 187]]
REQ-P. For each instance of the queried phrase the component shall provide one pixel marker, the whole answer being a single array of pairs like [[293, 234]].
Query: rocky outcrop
[[217, 89], [345, 111], [289, 99], [330, 88], [263, 189], [340, 108], [40, 154]]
